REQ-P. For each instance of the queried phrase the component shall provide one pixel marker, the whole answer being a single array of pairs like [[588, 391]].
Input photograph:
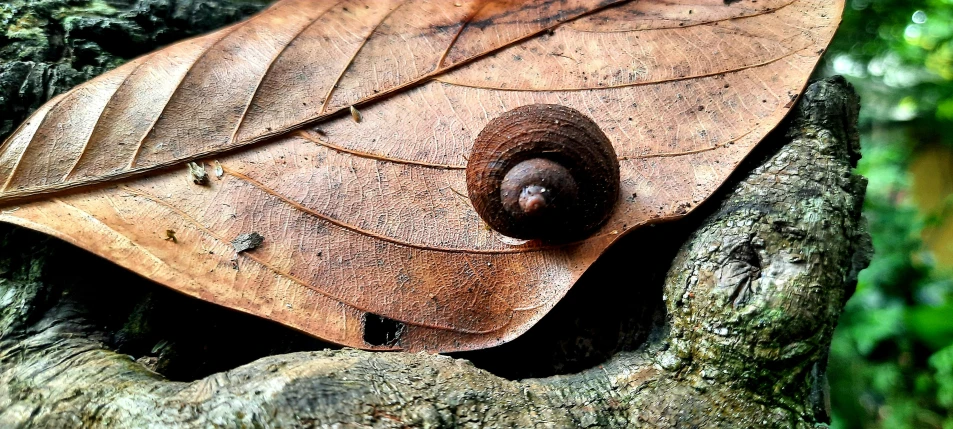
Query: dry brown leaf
[[364, 223]]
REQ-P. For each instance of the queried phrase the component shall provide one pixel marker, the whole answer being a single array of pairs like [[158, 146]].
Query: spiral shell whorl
[[549, 158]]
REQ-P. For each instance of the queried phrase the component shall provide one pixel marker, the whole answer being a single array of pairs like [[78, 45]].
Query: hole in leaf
[[381, 331]]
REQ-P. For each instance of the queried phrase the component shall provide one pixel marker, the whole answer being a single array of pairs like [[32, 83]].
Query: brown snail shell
[[543, 171]]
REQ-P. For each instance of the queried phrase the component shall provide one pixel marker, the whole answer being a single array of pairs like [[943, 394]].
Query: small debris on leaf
[[510, 241], [170, 236], [197, 174], [356, 115], [249, 241], [792, 102], [217, 169]]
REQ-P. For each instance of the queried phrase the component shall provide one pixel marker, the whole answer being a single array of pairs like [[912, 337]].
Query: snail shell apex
[[543, 171]]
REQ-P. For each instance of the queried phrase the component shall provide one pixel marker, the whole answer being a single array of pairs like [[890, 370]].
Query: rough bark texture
[[49, 46], [734, 335]]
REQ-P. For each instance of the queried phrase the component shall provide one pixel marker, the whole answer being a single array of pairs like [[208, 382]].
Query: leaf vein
[[244, 115]]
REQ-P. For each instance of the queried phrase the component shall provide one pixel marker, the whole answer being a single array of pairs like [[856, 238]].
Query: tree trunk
[[723, 319]]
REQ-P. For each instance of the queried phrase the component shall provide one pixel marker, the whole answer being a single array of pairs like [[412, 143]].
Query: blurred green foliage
[[891, 362]]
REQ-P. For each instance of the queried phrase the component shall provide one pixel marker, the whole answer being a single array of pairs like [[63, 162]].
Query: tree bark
[[729, 329]]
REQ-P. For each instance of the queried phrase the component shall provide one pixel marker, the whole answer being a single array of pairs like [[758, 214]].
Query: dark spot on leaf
[[381, 331]]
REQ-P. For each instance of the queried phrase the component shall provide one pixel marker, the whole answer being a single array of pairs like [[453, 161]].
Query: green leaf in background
[[931, 325], [891, 362]]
